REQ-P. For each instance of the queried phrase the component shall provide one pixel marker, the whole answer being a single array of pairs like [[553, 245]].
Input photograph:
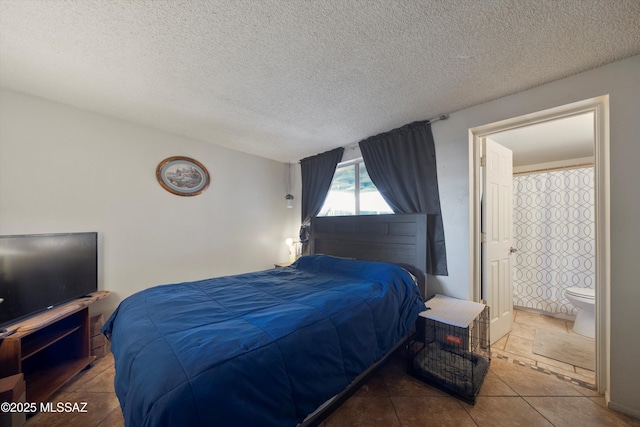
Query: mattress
[[264, 348]]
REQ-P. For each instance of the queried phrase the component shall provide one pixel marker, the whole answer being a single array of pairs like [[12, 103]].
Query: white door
[[497, 226]]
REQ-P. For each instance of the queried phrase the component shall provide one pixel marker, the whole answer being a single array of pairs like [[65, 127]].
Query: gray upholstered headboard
[[399, 238]]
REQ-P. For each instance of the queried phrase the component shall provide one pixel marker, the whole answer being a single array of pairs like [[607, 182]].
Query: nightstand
[[282, 264]]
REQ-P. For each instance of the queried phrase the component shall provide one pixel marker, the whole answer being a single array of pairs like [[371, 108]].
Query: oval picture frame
[[182, 176]]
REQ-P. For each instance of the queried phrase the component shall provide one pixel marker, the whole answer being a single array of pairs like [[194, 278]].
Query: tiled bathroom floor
[[518, 345]]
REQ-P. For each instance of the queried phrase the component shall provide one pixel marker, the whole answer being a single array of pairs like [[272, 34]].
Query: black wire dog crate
[[451, 348]]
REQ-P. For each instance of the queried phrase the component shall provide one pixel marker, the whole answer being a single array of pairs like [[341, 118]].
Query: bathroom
[[554, 247]]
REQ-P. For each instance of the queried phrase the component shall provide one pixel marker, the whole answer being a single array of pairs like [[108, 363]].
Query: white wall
[[621, 81], [65, 170]]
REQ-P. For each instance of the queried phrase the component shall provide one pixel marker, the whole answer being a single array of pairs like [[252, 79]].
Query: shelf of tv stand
[[42, 341], [42, 384], [49, 348]]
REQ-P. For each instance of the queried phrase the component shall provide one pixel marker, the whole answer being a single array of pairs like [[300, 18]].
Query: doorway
[[599, 108]]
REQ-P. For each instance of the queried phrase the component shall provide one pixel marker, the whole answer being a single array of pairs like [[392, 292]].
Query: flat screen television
[[41, 271]]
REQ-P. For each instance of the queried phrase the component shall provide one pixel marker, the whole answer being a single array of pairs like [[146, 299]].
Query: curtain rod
[[435, 119], [440, 117], [579, 165]]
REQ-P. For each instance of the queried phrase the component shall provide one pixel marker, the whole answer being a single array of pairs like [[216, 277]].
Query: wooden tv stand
[[49, 348]]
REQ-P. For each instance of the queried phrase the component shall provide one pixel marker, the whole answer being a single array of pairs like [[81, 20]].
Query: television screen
[[39, 272]]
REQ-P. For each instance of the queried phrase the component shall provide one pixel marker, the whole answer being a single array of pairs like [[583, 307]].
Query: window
[[353, 193]]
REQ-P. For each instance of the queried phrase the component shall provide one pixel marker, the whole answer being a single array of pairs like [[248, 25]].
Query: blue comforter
[[257, 349]]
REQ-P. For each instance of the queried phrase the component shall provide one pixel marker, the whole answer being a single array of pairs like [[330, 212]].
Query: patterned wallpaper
[[554, 232]]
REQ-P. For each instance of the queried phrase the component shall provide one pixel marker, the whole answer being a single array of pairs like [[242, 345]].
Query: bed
[[279, 347]]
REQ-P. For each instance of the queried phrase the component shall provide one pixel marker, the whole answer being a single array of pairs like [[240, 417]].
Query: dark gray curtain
[[402, 165], [317, 172]]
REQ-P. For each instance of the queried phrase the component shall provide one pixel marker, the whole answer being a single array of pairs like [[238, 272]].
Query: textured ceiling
[[285, 79]]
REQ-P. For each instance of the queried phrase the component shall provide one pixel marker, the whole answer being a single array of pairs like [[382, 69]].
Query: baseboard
[[623, 409], [562, 316]]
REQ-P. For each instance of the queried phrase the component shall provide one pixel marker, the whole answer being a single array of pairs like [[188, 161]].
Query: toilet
[[585, 301]]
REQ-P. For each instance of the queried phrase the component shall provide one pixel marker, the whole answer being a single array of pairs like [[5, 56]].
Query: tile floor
[[511, 395], [93, 386], [518, 345]]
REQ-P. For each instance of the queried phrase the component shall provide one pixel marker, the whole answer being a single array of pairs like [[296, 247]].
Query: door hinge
[[483, 161], [483, 237]]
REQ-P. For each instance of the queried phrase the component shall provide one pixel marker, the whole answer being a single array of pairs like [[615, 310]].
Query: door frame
[[600, 107]]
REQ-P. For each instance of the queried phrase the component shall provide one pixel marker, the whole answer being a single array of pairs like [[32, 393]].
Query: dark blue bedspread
[[257, 349]]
